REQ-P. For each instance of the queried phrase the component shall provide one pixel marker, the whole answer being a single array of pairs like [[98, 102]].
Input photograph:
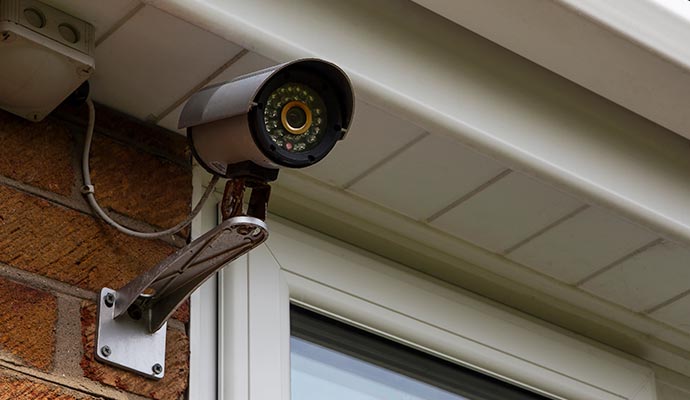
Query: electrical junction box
[[45, 54]]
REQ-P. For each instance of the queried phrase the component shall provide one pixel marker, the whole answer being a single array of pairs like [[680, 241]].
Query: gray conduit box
[[46, 54]]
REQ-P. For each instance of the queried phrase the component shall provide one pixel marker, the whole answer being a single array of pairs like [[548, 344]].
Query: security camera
[[245, 130], [290, 115]]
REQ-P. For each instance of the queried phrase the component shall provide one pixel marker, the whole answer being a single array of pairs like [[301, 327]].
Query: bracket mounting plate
[[127, 343], [132, 320]]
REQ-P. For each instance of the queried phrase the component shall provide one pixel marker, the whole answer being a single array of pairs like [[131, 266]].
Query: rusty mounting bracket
[[132, 321]]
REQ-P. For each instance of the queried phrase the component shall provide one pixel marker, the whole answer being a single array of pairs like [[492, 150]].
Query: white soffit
[[426, 177], [676, 313], [582, 245], [375, 135], [646, 280], [449, 81], [507, 212], [140, 70]]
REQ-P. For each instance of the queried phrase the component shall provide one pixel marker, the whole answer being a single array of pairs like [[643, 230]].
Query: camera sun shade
[[290, 115]]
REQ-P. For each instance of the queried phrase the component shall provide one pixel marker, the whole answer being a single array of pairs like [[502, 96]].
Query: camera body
[[290, 115]]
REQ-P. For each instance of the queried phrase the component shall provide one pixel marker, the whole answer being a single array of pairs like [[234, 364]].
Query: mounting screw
[[105, 351], [157, 369], [109, 300]]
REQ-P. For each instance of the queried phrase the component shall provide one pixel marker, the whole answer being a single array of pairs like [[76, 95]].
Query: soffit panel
[[582, 245], [374, 136], [646, 280], [506, 212], [427, 177], [153, 60], [676, 313]]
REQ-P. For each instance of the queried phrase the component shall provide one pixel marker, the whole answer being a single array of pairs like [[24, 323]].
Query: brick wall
[[55, 256]]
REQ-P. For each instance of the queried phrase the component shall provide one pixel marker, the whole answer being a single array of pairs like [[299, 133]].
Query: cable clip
[[87, 189]]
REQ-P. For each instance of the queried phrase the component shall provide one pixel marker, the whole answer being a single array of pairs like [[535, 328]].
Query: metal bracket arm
[[132, 320]]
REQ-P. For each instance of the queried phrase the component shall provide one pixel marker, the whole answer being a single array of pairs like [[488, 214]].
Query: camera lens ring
[[285, 117]]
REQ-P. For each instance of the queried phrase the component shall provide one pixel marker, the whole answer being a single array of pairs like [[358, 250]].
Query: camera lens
[[295, 117]]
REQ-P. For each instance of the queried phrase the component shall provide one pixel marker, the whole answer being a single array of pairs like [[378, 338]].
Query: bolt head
[[157, 369], [109, 300], [105, 351]]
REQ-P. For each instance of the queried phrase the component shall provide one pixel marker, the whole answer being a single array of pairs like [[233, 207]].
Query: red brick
[[140, 185], [171, 387], [16, 388], [69, 246], [182, 312], [39, 154], [27, 323], [129, 129]]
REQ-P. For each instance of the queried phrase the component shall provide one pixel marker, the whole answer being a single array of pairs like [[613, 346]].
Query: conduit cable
[[88, 190]]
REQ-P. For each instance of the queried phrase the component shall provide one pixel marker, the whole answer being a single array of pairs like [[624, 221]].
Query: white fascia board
[[633, 53], [650, 23], [415, 64]]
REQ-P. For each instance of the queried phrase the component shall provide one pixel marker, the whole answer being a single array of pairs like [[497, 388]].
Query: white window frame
[[320, 273]]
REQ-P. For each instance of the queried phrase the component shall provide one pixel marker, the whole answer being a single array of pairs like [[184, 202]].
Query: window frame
[[395, 302]]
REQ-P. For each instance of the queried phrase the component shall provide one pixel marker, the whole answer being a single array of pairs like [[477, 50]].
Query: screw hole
[[157, 369], [135, 313], [109, 300]]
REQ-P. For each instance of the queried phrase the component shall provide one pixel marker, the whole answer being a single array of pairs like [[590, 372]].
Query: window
[[411, 315], [332, 360]]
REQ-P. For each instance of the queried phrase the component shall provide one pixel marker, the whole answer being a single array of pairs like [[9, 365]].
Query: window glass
[[320, 373], [334, 361]]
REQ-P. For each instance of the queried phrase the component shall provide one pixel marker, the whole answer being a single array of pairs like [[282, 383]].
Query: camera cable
[[88, 190]]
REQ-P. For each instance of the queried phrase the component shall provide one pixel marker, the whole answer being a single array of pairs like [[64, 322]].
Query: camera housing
[[290, 115]]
